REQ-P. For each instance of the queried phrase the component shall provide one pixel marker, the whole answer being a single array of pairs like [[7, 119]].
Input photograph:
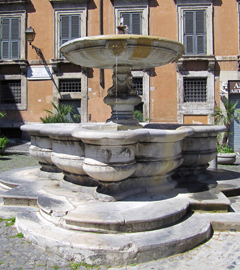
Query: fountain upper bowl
[[136, 51]]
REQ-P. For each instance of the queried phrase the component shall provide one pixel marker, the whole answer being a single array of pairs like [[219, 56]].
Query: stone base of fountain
[[68, 219]]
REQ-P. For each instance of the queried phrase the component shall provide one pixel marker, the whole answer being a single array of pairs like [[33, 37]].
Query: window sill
[[209, 58]]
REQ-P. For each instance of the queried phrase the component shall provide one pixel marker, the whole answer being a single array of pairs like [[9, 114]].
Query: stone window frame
[[196, 108], [146, 93], [132, 6], [183, 6], [83, 95], [18, 106], [58, 12], [22, 15]]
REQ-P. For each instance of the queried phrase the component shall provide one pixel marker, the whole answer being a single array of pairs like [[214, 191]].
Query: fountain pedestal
[[122, 98]]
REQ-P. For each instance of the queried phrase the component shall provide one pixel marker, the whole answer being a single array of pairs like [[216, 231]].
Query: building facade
[[34, 74]]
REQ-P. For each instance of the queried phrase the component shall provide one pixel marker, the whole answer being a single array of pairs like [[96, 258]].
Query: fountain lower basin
[[126, 162]]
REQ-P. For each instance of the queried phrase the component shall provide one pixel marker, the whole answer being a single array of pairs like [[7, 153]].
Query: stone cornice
[[23, 64], [185, 58]]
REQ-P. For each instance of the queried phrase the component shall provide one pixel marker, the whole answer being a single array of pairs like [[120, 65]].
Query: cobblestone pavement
[[222, 251]]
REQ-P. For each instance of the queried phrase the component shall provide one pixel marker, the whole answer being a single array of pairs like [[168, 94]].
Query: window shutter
[[200, 31], [10, 38], [69, 27], [136, 23], [15, 38], [75, 26], [5, 38], [126, 20], [189, 31], [194, 32], [64, 29]]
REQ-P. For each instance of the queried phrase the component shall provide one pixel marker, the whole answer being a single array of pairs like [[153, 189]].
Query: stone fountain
[[117, 192]]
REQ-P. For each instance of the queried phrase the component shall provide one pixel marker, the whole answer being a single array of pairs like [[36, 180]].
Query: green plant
[[3, 142], [75, 266], [8, 221], [19, 235], [138, 115], [224, 149], [2, 114], [60, 114], [226, 117]]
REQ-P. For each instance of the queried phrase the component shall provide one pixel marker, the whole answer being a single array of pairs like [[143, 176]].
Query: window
[[13, 92], [195, 90], [75, 115], [70, 85], [133, 22], [138, 85], [132, 13], [69, 27], [12, 29], [141, 84], [138, 109], [69, 24], [10, 38], [10, 92], [195, 95], [195, 27], [194, 32]]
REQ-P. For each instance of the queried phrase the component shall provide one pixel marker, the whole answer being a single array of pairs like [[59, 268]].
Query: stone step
[[126, 216], [114, 249], [22, 186]]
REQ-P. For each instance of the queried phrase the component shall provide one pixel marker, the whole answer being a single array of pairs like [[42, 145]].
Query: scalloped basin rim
[[152, 135], [137, 51], [122, 37]]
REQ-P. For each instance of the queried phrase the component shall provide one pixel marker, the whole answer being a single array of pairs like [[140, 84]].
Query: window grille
[[10, 91], [195, 90], [70, 85], [138, 85]]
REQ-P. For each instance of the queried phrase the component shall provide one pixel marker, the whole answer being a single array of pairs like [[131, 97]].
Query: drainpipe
[[101, 76]]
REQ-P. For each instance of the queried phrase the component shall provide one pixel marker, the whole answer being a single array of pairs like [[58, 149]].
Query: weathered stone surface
[[114, 249]]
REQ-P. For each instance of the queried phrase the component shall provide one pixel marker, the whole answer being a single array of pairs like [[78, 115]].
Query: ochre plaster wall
[[40, 17], [163, 94], [225, 27], [39, 99]]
